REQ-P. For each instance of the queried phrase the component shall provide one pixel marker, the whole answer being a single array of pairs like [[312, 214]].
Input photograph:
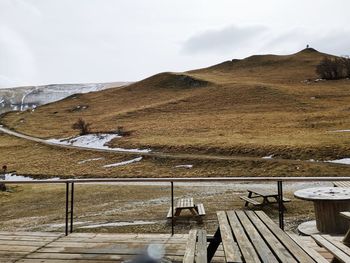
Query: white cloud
[[65, 41], [17, 64], [224, 40]]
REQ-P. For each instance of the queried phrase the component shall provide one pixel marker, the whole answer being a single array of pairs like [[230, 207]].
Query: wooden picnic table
[[187, 204], [251, 236], [266, 197]]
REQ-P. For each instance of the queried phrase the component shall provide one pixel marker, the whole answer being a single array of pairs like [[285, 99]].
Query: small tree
[[82, 126]]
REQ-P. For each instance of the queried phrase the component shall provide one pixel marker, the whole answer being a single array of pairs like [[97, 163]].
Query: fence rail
[[70, 188], [189, 179]]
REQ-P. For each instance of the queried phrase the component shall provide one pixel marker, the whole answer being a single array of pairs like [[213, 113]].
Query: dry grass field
[[258, 106]]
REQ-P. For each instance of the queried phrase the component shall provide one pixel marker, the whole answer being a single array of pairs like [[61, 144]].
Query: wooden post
[[280, 204], [71, 207], [67, 207], [172, 209]]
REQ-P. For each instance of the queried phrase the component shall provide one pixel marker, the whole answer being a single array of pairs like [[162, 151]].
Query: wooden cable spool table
[[328, 203]]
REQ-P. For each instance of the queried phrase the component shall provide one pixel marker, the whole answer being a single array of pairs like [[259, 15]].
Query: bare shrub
[[122, 132], [82, 126], [336, 68]]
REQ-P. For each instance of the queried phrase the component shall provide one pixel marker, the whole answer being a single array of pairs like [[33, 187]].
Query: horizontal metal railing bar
[[190, 179]]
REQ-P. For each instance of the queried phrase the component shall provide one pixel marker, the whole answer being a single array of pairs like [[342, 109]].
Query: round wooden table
[[328, 203]]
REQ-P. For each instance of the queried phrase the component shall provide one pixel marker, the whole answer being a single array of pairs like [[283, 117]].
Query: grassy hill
[[257, 106]]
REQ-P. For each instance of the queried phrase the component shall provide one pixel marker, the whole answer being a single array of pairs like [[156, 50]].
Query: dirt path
[[163, 154]]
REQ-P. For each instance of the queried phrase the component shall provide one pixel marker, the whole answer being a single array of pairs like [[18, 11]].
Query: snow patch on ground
[[267, 157], [14, 177], [341, 161], [90, 160], [188, 166], [120, 224], [123, 163], [95, 141], [340, 131]]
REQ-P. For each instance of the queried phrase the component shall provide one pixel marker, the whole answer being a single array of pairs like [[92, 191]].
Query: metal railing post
[[172, 209], [280, 204], [67, 207], [71, 207]]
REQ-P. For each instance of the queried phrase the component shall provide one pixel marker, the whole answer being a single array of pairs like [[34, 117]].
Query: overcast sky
[[80, 41]]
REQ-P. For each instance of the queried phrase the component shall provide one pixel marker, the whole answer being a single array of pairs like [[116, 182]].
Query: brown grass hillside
[[257, 106]]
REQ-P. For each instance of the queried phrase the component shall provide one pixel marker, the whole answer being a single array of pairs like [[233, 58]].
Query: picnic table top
[[263, 192], [248, 236], [323, 193], [184, 203]]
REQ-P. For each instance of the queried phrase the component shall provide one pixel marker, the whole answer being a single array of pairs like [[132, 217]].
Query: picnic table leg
[[194, 211], [213, 245], [265, 200], [177, 211], [283, 206], [249, 196], [346, 239]]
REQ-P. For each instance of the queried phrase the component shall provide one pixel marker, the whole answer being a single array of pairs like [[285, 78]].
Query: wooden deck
[[30, 247]]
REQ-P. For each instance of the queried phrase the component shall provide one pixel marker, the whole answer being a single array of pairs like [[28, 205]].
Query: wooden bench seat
[[260, 197], [169, 215], [196, 248], [340, 251], [200, 209], [250, 200]]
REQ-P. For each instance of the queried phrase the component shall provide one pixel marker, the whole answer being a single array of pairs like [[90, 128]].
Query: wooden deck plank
[[38, 234], [18, 248], [65, 261], [22, 243], [26, 238]]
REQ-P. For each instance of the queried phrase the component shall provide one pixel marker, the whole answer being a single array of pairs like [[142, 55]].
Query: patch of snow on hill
[[341, 131], [267, 157], [15, 177], [341, 161], [95, 141], [123, 163], [188, 166], [90, 160]]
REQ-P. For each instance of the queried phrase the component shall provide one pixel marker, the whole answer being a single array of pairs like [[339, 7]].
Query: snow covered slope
[[22, 98]]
